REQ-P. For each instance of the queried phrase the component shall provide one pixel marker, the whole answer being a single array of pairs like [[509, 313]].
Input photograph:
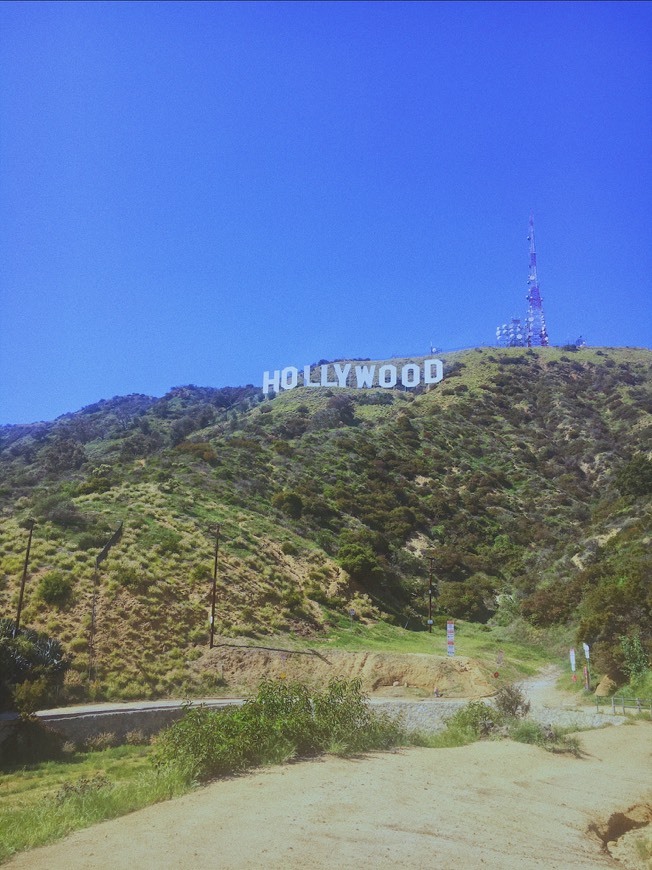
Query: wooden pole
[[32, 523], [430, 594], [214, 591]]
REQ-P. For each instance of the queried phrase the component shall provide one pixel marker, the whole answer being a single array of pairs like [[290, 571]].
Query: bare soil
[[243, 667], [498, 805]]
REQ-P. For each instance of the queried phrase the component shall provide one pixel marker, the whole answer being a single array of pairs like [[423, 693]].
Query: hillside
[[525, 474]]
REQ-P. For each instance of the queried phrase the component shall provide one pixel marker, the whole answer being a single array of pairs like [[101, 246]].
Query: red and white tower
[[535, 324]]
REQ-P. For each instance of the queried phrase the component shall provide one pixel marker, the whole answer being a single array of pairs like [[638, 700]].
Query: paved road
[[550, 706]]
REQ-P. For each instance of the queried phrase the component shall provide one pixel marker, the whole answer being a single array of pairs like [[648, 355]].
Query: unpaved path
[[498, 805], [542, 690]]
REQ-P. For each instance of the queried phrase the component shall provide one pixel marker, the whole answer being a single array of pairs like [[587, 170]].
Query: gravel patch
[[430, 715]]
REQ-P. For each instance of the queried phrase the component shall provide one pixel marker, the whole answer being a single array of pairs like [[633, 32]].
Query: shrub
[[101, 741], [636, 658], [28, 657], [361, 563], [476, 719], [95, 483], [30, 695], [200, 450], [283, 720], [166, 541], [84, 786], [289, 503], [289, 549], [511, 701], [636, 477], [92, 540], [55, 587], [546, 736]]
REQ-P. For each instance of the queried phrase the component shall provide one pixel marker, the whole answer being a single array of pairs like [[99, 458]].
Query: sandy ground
[[491, 805]]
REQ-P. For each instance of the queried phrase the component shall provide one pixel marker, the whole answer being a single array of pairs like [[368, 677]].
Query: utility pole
[[91, 635], [214, 591], [101, 556], [431, 592], [31, 525]]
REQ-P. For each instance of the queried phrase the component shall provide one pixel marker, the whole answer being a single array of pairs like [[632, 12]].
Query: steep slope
[[523, 474]]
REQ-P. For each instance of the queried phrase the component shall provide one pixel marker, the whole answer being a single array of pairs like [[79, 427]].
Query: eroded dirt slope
[[244, 667]]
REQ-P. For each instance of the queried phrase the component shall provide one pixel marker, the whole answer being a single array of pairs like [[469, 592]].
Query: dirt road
[[498, 805]]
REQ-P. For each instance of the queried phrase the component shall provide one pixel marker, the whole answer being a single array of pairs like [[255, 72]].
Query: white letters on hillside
[[386, 376]]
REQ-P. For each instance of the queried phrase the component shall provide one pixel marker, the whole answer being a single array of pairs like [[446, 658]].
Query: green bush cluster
[[548, 737], [31, 657], [55, 587], [506, 717], [283, 721], [475, 720], [289, 503]]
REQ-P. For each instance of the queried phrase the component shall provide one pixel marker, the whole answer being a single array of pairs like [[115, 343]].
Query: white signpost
[[587, 672], [450, 638], [359, 377]]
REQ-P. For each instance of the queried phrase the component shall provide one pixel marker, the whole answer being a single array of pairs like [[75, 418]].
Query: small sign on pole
[[587, 653], [450, 638]]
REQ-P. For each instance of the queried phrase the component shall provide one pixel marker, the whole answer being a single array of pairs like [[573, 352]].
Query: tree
[[636, 477], [290, 503], [361, 563]]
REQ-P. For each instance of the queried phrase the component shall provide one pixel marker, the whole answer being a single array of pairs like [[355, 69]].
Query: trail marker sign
[[450, 638]]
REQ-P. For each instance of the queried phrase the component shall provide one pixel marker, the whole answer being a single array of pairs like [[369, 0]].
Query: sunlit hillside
[[525, 475]]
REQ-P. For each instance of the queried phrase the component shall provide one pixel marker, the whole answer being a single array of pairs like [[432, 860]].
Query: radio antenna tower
[[535, 324]]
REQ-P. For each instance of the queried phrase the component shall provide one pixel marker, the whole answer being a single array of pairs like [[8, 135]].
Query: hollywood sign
[[359, 377]]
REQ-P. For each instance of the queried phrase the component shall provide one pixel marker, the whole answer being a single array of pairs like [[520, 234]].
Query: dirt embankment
[[380, 673]]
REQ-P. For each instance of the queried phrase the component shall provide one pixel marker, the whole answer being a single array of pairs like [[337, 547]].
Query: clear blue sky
[[197, 192]]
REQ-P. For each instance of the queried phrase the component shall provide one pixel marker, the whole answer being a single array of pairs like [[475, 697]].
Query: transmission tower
[[535, 324]]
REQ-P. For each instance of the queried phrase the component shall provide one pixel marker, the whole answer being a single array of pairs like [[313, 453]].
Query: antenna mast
[[536, 332]]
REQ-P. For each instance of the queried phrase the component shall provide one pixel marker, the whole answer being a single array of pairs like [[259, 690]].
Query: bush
[[84, 786], [361, 563], [98, 742], [283, 720], [289, 549], [475, 719], [636, 477], [30, 695], [546, 736], [636, 658], [29, 656], [55, 587], [289, 503], [510, 701]]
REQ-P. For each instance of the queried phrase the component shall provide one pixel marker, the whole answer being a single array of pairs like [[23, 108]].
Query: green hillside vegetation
[[525, 474]]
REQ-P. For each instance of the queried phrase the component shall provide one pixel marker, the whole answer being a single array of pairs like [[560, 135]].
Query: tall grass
[[57, 816], [52, 799]]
